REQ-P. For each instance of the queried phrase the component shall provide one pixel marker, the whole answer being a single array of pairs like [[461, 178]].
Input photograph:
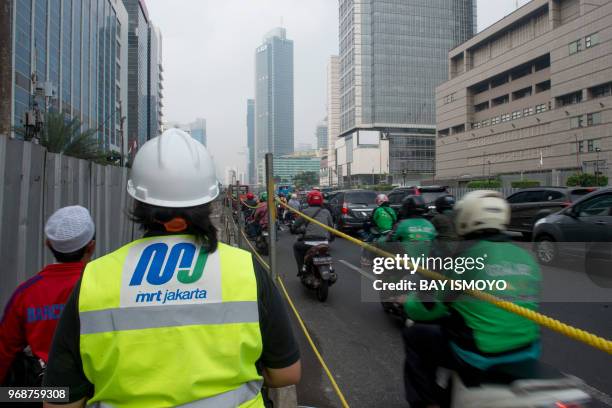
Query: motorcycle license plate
[[265, 233], [322, 260]]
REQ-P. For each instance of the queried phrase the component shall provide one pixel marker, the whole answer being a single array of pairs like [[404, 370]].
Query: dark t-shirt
[[280, 349]]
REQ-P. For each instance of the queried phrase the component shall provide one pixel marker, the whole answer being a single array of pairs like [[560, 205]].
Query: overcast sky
[[208, 58]]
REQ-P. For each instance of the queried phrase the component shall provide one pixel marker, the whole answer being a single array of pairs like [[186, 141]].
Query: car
[[530, 204], [580, 229], [429, 193], [350, 209]]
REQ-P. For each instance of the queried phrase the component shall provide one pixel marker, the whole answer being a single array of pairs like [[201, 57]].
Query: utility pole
[[271, 213], [597, 150]]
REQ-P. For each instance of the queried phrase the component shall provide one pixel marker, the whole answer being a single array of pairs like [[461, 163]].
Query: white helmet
[[173, 170], [381, 198], [481, 210]]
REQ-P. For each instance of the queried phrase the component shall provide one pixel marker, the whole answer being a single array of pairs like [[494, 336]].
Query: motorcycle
[[261, 242], [524, 384], [319, 272]]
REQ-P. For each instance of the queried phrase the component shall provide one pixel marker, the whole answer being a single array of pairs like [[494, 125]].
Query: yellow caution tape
[[539, 318], [301, 322]]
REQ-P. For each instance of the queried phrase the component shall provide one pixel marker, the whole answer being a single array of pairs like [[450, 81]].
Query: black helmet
[[413, 205], [443, 203]]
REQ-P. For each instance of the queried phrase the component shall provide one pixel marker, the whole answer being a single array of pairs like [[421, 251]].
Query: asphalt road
[[363, 349]]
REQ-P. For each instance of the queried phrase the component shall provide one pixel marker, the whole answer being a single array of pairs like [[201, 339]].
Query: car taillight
[[344, 208], [417, 191], [566, 203], [567, 405]]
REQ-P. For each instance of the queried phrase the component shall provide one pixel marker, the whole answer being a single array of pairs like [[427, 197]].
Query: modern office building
[[321, 135], [65, 56], [530, 96], [251, 140], [393, 54], [329, 175], [155, 82], [274, 95], [287, 167]]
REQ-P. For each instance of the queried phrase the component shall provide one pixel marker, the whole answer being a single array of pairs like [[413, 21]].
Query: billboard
[[368, 138]]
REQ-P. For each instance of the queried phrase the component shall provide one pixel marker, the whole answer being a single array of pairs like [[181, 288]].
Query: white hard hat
[[481, 210], [381, 198], [173, 170], [69, 229]]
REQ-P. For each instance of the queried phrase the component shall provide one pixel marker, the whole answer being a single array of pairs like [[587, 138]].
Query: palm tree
[[65, 136]]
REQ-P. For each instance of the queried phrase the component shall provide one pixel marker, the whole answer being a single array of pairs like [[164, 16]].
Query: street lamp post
[[597, 150]]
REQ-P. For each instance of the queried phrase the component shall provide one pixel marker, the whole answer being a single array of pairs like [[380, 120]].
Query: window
[[600, 205], [505, 117], [458, 129], [481, 106], [521, 93], [542, 86], [569, 99], [601, 90], [575, 46], [495, 120], [592, 145], [594, 119], [499, 80], [485, 123], [476, 125], [518, 198], [527, 111], [540, 108], [553, 196], [443, 132], [591, 40], [517, 115], [581, 146], [500, 100], [576, 122]]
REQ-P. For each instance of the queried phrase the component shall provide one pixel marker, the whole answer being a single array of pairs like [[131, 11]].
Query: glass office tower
[[393, 54], [69, 56], [251, 139]]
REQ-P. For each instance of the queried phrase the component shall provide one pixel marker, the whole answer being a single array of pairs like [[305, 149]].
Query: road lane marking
[[357, 269]]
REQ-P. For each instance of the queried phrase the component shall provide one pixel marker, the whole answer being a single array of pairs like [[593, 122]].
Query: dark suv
[[350, 209], [429, 193], [531, 204]]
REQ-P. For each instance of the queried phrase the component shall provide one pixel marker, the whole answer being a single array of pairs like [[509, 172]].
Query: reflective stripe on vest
[[233, 398], [165, 324]]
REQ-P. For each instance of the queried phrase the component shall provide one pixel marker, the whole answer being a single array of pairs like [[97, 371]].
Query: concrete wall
[[35, 183]]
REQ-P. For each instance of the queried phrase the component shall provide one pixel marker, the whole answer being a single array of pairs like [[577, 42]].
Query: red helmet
[[250, 196], [314, 197]]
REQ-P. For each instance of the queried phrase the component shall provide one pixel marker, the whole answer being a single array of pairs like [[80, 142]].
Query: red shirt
[[32, 313]]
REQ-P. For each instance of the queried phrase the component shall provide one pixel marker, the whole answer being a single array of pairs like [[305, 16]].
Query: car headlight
[[540, 221]]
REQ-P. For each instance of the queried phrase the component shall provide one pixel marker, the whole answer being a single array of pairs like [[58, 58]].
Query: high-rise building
[[529, 97], [65, 56], [155, 82], [251, 140], [274, 95], [329, 174], [321, 134], [392, 57]]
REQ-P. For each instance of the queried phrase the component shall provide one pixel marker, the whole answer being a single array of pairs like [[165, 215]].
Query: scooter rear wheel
[[323, 291]]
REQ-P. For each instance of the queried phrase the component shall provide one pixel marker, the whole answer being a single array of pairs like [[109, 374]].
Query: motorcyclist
[[281, 210], [414, 231], [311, 231], [443, 222], [383, 217], [471, 336], [260, 219], [293, 203], [249, 205]]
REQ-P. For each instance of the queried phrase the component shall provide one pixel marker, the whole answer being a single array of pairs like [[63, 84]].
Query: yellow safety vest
[[165, 324]]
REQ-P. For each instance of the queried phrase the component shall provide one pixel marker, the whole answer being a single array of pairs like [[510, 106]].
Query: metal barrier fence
[[33, 184], [459, 192]]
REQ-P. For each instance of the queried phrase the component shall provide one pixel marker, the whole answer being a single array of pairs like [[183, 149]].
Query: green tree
[[306, 179], [67, 136], [484, 184], [587, 180]]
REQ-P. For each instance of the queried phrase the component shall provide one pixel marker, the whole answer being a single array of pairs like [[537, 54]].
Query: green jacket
[[416, 236], [480, 327], [384, 217]]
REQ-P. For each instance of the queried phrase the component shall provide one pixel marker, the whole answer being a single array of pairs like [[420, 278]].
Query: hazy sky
[[208, 57]]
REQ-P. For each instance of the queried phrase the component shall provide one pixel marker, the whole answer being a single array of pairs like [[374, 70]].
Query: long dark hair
[[150, 218]]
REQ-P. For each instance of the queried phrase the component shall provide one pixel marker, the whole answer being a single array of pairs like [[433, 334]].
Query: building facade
[[64, 56], [252, 175], [287, 167], [321, 135], [530, 96], [274, 114], [155, 82], [392, 57], [329, 176]]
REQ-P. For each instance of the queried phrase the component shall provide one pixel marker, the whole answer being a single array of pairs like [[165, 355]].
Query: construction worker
[[471, 336], [32, 313], [175, 318]]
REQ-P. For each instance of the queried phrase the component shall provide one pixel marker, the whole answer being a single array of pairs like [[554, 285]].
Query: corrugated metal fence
[[35, 183], [459, 192]]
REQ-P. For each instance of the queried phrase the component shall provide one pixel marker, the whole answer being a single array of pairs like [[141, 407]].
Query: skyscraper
[[393, 54], [69, 56], [321, 135], [251, 140], [154, 79], [274, 95], [333, 118]]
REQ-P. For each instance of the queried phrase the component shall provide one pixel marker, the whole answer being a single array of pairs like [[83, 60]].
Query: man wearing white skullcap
[[32, 313]]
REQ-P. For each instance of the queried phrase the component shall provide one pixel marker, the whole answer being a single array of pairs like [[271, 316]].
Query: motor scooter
[[319, 273]]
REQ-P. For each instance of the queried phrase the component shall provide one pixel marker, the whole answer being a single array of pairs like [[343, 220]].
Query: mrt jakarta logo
[[167, 271]]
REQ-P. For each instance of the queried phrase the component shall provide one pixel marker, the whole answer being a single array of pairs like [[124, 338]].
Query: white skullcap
[[69, 229]]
